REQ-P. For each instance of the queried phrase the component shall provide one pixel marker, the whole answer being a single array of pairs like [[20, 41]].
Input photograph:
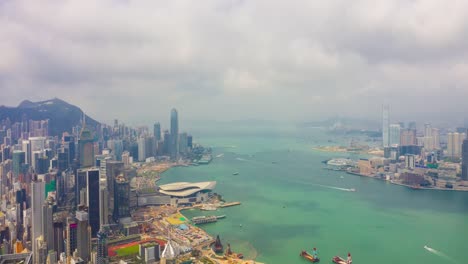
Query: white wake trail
[[440, 254]]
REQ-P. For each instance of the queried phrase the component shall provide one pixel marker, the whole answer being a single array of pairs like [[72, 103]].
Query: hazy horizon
[[237, 60]]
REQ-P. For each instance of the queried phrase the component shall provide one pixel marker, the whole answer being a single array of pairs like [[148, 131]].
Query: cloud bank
[[234, 59]]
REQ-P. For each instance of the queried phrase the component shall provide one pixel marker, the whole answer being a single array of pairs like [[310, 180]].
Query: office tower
[[86, 147], [103, 203], [394, 134], [141, 149], [117, 148], [62, 160], [58, 236], [464, 174], [26, 147], [385, 126], [113, 169], [71, 240], [183, 143], [19, 159], [80, 185], [174, 146], [37, 143], [435, 138], [190, 142], [121, 198], [408, 137], [157, 131], [167, 142], [454, 144], [101, 249], [83, 245], [92, 199], [149, 147], [126, 158], [37, 200], [47, 225]]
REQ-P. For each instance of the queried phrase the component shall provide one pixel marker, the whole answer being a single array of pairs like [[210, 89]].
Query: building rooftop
[[183, 189]]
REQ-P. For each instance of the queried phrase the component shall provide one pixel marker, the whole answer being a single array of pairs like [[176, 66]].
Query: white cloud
[[235, 59]]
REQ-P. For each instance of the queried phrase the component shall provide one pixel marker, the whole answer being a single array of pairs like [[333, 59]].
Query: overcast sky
[[214, 60]]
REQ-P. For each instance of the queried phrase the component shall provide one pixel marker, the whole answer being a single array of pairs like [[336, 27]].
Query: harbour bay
[[287, 207]]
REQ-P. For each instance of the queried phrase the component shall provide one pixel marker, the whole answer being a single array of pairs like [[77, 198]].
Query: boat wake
[[241, 159], [220, 155], [440, 254], [337, 188]]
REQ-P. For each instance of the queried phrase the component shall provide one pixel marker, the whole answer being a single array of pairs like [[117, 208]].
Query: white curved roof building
[[186, 189]]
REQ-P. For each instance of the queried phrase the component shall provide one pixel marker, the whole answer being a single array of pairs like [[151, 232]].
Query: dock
[[230, 204]]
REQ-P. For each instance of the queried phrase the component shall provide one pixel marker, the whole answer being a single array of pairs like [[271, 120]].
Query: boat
[[352, 190], [235, 173], [308, 256], [340, 260]]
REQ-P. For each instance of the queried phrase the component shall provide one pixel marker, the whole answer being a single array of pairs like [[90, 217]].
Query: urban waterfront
[[290, 202]]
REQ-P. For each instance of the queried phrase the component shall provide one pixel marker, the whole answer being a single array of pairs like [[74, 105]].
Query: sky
[[234, 59]]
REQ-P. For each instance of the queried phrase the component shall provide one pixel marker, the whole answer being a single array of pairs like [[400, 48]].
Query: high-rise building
[[86, 147], [183, 144], [92, 200], [19, 159], [37, 200], [408, 137], [103, 203], [157, 131], [167, 143], [141, 149], [71, 232], [101, 257], [394, 134], [113, 169], [174, 146], [464, 174], [121, 198], [26, 147], [47, 225], [83, 236], [126, 158], [454, 144]]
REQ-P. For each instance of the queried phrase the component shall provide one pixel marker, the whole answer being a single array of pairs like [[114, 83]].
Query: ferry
[[308, 256]]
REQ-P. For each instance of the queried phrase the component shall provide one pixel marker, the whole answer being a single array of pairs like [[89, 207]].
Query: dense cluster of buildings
[[435, 154], [61, 196]]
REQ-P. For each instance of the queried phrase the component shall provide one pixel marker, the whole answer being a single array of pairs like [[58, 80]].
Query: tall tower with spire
[[86, 146]]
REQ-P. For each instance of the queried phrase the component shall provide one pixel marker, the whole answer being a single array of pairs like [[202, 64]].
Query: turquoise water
[[291, 205]]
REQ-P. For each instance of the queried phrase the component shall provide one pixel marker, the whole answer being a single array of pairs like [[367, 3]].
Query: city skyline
[[238, 59]]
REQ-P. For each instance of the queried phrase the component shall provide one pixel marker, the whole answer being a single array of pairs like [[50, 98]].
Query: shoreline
[[405, 185], [212, 239]]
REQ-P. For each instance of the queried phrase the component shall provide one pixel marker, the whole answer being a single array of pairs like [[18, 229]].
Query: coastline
[[207, 253], [406, 185]]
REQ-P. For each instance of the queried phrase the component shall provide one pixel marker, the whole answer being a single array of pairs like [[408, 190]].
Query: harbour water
[[288, 205]]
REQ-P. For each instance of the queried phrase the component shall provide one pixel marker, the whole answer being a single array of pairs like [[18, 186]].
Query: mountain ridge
[[62, 115]]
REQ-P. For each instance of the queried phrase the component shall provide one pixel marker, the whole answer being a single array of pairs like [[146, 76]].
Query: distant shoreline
[[406, 185]]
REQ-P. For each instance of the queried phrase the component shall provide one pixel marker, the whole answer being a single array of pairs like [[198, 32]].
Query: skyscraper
[[83, 236], [408, 137], [86, 147], [19, 159], [37, 200], [454, 144], [141, 149], [121, 198], [394, 134], [174, 146], [464, 174], [385, 126], [92, 192], [157, 131]]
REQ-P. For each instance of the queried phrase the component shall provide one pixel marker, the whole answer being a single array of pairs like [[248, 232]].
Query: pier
[[230, 204]]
